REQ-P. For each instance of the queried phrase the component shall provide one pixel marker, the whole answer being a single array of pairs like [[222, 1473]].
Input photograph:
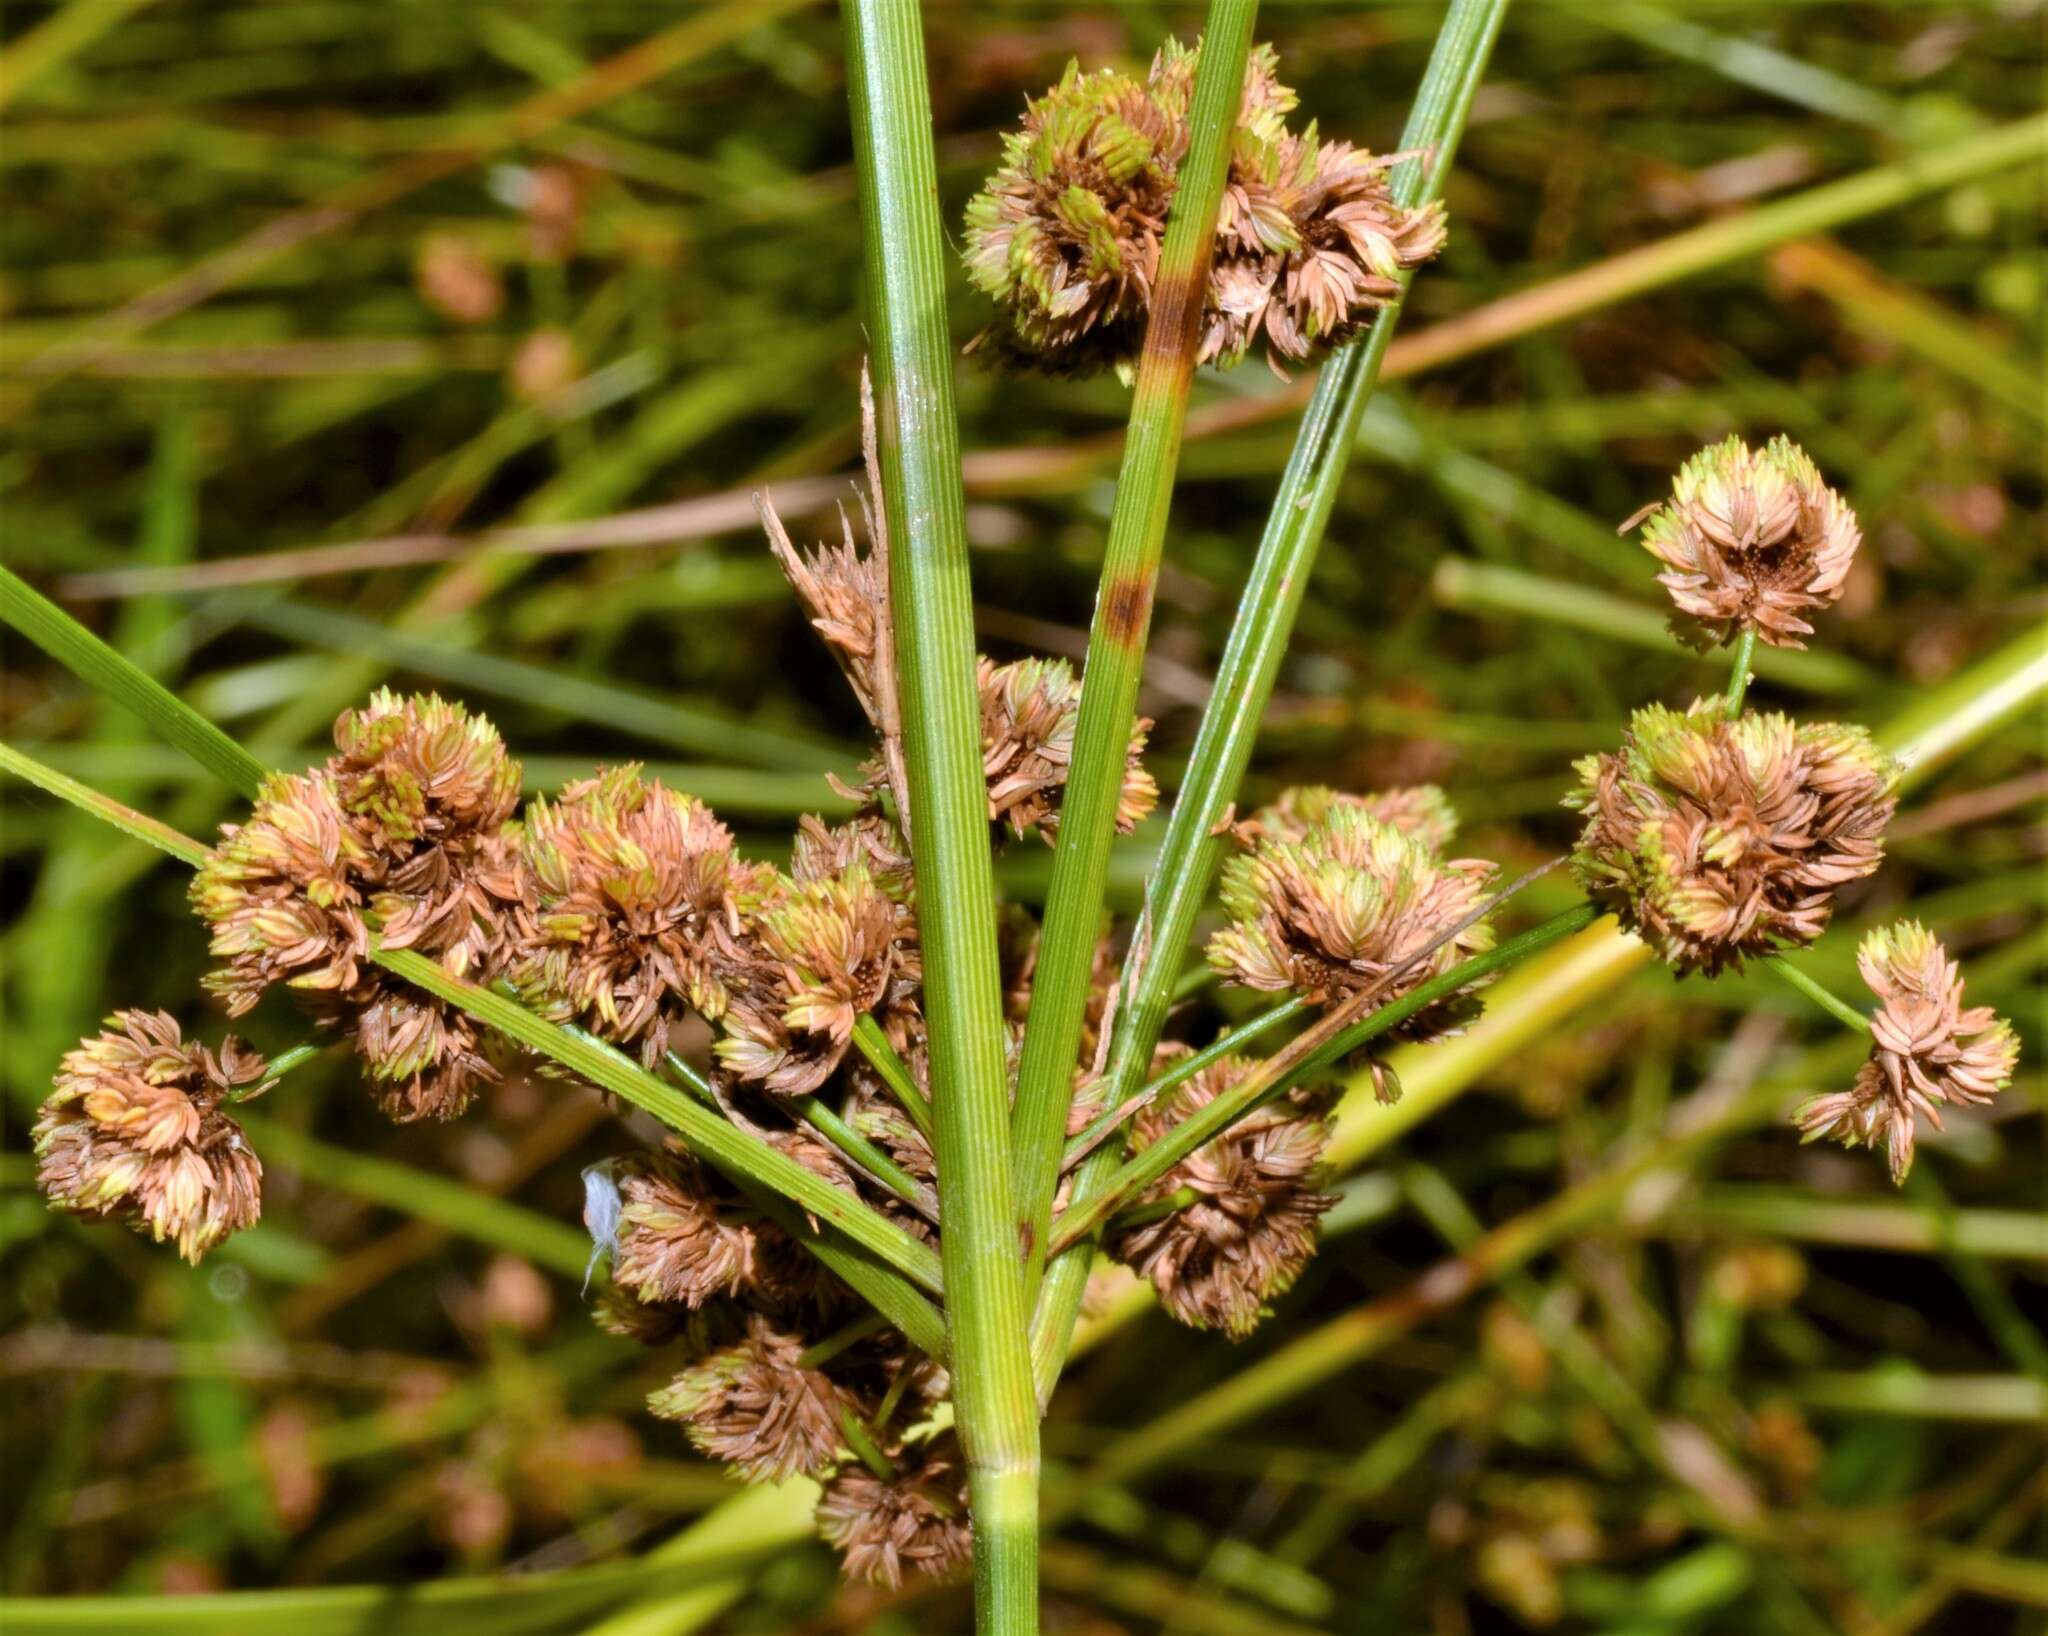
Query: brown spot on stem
[[1126, 606]]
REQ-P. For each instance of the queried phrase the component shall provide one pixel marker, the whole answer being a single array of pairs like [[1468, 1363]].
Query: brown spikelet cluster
[[1028, 712], [1719, 841], [1926, 1050], [404, 831], [774, 1359], [636, 914], [755, 1407], [1066, 235], [825, 952], [1331, 900], [1251, 1226], [1750, 540], [135, 1130], [914, 1523]]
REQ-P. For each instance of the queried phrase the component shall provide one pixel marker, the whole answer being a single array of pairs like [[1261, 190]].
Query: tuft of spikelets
[[1029, 709], [1066, 235], [1751, 539], [754, 1406], [1332, 901], [635, 919], [915, 1523], [1251, 1228], [403, 831], [1926, 1050], [1719, 841], [135, 1130]]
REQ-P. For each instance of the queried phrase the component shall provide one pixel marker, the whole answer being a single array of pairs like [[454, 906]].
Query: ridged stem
[[923, 512], [1189, 856], [1123, 618]]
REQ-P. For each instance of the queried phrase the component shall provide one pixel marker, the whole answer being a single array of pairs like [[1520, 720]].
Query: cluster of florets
[[403, 832], [135, 1130], [1066, 235], [1926, 1050], [1247, 1227], [1750, 540], [1029, 709], [1338, 897], [778, 1374], [636, 903], [1722, 840]]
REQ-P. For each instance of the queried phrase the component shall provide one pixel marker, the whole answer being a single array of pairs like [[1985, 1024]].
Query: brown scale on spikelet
[[755, 1407], [404, 831], [1348, 906], [1066, 235], [1926, 1050], [1251, 1229], [1750, 540], [1029, 709], [636, 914], [915, 1523], [134, 1130], [1719, 841]]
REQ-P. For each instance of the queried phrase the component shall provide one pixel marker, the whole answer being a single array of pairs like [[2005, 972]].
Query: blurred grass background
[[442, 341]]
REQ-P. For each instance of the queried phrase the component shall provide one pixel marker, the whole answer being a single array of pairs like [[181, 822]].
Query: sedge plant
[[925, 1115]]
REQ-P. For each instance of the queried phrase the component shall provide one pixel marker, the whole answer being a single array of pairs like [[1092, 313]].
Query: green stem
[[829, 1123], [931, 600], [103, 807], [1191, 851], [1288, 1067], [1181, 1072], [93, 662], [894, 1072], [1139, 1214], [846, 1335], [1738, 677], [1116, 641], [1840, 1009]]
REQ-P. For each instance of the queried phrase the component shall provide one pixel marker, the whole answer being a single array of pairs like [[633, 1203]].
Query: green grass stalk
[[1123, 619], [1191, 850], [931, 602]]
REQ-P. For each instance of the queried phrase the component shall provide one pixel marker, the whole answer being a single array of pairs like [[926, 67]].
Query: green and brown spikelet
[[1750, 540], [134, 1130], [404, 832], [635, 918], [1251, 1227], [1066, 235], [1926, 1050], [915, 1523], [754, 1406], [823, 953], [1029, 709], [1719, 841], [1332, 901]]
